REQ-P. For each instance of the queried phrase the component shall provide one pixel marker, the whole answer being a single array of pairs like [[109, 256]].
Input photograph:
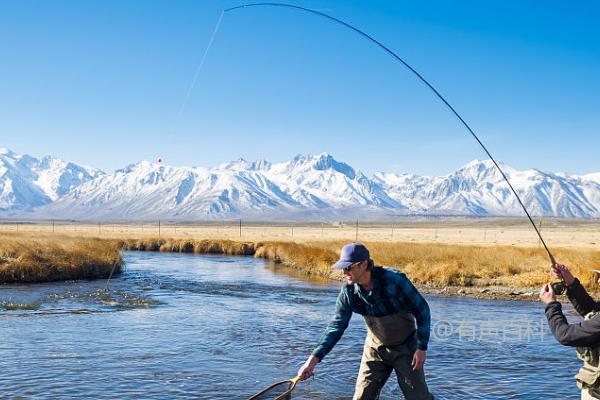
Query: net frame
[[293, 382]]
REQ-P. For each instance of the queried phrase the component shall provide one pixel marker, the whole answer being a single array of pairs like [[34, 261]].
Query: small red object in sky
[[159, 161]]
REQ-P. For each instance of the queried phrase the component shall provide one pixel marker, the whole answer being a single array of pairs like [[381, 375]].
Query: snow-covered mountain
[[27, 182], [478, 188], [306, 187]]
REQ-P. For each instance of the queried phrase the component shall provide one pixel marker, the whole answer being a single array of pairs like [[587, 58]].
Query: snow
[[592, 177], [27, 182], [307, 186]]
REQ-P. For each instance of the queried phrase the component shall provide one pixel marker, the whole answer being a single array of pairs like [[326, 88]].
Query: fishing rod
[[423, 80]]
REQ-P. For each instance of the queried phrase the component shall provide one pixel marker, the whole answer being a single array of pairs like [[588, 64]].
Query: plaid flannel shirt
[[391, 292]]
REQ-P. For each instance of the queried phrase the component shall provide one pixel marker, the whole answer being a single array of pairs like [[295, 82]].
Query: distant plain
[[573, 234]]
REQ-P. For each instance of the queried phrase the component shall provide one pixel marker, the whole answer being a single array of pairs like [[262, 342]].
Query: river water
[[220, 327]]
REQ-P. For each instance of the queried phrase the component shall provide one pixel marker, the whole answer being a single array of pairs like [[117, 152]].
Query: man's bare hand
[[562, 272], [418, 359], [308, 368], [547, 295]]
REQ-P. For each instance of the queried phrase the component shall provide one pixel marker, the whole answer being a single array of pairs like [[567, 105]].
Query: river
[[220, 327]]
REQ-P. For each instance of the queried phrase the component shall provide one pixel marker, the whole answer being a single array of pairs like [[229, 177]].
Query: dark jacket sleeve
[[585, 333], [581, 300]]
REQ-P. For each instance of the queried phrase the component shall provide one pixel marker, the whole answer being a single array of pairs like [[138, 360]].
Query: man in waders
[[584, 335], [390, 304]]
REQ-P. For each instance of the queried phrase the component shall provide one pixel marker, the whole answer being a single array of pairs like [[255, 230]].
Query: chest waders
[[389, 346], [588, 376], [390, 330]]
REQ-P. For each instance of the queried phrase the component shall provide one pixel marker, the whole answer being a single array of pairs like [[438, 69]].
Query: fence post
[[99, 228], [240, 227], [356, 236], [159, 228], [52, 226]]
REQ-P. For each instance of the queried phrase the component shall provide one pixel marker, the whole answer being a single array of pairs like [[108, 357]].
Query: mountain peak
[[480, 164], [142, 164], [321, 162], [243, 165], [7, 152], [480, 170], [34, 182], [594, 177], [313, 157]]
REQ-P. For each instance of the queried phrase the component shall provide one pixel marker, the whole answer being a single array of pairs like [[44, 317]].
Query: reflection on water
[[216, 327]]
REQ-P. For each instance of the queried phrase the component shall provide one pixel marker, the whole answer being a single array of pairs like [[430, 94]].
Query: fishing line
[[112, 271], [423, 80], [199, 67]]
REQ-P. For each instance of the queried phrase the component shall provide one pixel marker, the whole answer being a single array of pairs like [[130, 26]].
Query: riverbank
[[489, 272], [497, 272], [25, 258]]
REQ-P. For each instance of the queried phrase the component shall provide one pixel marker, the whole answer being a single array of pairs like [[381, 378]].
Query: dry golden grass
[[574, 234], [453, 265], [33, 256], [435, 265], [227, 247], [26, 259], [308, 259]]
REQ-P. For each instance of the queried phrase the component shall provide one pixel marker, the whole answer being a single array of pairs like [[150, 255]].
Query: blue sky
[[102, 83]]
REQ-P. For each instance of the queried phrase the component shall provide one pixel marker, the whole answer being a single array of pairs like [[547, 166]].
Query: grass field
[[28, 258], [575, 234], [471, 254], [436, 265]]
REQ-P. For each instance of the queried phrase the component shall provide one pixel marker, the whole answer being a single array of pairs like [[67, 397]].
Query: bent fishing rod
[[423, 80]]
